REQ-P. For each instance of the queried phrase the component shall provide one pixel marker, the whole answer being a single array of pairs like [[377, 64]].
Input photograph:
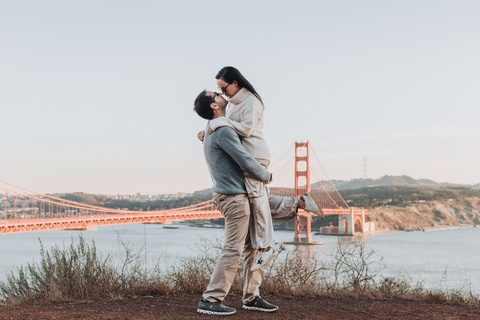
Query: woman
[[245, 115]]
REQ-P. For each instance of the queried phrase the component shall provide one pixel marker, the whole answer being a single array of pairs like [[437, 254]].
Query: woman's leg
[[261, 226], [283, 208]]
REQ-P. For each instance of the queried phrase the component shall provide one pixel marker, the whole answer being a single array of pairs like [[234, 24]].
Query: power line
[[364, 167]]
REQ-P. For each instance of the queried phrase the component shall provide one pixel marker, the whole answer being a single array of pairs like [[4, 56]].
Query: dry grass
[[192, 274], [78, 272]]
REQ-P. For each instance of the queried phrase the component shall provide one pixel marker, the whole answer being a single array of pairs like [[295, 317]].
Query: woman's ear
[[235, 83]]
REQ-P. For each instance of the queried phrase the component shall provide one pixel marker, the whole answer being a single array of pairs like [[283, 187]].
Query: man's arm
[[218, 123], [230, 143], [245, 127]]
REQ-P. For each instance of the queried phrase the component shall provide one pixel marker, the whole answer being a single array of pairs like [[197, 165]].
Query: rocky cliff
[[418, 216]]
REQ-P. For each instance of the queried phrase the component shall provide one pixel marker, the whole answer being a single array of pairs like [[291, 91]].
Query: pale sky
[[97, 96]]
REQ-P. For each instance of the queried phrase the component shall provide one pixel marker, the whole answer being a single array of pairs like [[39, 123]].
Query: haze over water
[[443, 258]]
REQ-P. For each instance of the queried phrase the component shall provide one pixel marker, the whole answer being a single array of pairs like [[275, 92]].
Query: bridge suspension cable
[[328, 179]]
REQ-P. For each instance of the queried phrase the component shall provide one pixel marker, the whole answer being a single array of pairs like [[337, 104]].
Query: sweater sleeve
[[249, 120], [230, 143], [219, 122]]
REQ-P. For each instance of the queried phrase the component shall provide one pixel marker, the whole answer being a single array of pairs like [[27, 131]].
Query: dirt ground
[[175, 307]]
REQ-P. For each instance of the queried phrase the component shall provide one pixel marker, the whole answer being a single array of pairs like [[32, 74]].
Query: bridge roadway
[[82, 222], [31, 225]]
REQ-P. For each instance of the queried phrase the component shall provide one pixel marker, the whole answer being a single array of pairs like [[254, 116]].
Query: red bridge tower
[[303, 222]]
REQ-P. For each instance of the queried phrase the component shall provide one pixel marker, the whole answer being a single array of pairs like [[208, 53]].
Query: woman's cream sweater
[[245, 115]]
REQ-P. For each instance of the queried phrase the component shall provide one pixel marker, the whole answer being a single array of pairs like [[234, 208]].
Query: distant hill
[[371, 197], [385, 181]]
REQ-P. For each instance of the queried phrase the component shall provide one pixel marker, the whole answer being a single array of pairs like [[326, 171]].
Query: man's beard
[[225, 101]]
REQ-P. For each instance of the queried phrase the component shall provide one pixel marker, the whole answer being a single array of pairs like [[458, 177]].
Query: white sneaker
[[263, 258], [311, 205]]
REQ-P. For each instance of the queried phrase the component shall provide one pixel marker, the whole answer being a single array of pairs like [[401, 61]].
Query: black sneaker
[[258, 304], [214, 308]]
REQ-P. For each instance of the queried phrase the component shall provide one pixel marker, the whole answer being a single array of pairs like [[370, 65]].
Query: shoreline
[[450, 227], [426, 229]]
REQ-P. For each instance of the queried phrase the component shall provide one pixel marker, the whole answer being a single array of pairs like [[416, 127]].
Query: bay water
[[443, 258]]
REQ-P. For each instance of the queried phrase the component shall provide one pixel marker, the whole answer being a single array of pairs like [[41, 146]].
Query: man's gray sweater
[[227, 160]]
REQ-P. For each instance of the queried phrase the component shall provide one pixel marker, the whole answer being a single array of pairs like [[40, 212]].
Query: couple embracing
[[237, 157]]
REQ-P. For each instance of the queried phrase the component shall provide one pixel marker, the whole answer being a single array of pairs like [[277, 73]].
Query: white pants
[[263, 208]]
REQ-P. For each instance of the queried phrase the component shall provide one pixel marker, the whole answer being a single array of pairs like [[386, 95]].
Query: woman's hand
[[271, 179], [201, 135], [210, 130]]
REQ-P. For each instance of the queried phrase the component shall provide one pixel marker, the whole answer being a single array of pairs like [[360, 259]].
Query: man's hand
[[210, 130], [201, 135]]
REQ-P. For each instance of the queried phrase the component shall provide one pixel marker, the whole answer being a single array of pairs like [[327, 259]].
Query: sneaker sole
[[214, 313], [321, 215], [255, 268], [258, 309]]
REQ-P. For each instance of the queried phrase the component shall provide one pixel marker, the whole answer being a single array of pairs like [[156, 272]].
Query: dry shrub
[[192, 274], [76, 272], [64, 273], [397, 288], [355, 266], [297, 273]]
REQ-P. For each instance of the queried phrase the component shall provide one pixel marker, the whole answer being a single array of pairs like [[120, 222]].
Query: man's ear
[[214, 106]]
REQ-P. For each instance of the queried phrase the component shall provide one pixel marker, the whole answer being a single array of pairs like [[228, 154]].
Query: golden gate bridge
[[28, 211]]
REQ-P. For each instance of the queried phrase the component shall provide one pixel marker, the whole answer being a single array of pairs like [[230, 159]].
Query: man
[[227, 160]]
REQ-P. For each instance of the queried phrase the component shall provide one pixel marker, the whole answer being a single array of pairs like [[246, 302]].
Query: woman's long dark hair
[[230, 74]]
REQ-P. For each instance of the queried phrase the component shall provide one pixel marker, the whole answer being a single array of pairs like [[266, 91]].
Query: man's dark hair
[[202, 105]]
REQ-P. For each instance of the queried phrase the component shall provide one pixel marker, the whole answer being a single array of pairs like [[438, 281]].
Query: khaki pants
[[236, 210]]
